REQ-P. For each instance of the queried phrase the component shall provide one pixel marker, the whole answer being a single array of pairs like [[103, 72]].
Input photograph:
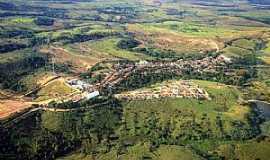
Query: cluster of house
[[88, 90], [179, 89], [79, 84], [121, 72], [205, 64], [208, 64], [176, 89], [117, 76]]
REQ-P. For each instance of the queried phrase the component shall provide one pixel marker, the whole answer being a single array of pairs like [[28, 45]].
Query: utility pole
[[53, 65]]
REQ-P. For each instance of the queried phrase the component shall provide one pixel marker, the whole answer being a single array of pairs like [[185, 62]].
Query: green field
[[266, 55], [140, 151], [55, 89], [224, 105], [108, 47]]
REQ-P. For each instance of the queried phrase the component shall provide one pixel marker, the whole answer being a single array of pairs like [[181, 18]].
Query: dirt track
[[9, 107], [11, 104]]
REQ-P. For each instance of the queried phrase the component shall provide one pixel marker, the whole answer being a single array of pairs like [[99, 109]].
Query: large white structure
[[91, 95]]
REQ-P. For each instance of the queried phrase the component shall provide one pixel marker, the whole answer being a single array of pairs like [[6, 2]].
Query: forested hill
[[262, 2]]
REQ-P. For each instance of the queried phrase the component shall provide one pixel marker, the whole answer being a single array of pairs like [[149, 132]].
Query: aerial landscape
[[134, 79]]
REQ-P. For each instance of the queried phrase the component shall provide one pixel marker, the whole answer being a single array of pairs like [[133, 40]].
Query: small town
[[122, 73], [174, 89]]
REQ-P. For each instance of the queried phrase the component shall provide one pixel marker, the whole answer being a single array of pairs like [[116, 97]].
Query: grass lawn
[[109, 47], [175, 153], [21, 20], [31, 81], [245, 150], [16, 56], [77, 156], [232, 51], [22, 23], [266, 55], [193, 29], [245, 44], [141, 151], [55, 89]]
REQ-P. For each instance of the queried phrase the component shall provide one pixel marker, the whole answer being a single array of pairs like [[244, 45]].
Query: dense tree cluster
[[11, 47], [11, 73], [44, 21], [128, 43]]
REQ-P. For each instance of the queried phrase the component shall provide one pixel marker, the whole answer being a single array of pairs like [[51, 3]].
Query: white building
[[92, 95]]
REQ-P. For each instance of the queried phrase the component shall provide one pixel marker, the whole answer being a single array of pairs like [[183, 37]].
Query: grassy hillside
[[56, 89]]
